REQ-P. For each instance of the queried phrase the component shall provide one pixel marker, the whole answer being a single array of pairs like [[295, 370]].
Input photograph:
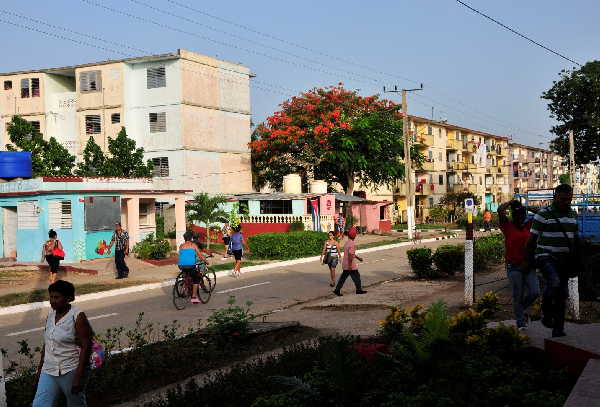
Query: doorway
[[9, 231]]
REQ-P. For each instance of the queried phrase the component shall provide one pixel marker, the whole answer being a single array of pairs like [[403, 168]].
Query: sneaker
[[339, 294], [195, 300], [361, 292]]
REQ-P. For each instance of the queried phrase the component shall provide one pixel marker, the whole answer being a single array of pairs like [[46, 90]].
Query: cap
[[352, 232]]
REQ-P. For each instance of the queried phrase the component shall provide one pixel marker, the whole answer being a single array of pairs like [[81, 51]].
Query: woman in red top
[[524, 282]]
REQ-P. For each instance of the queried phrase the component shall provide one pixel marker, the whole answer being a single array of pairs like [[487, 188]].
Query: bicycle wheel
[[204, 289], [181, 293], [212, 276]]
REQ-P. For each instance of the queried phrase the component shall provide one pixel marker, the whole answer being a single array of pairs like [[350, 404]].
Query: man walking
[[350, 265], [553, 239], [120, 239]]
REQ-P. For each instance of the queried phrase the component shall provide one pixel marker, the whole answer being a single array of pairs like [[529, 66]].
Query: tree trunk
[[350, 181], [207, 235]]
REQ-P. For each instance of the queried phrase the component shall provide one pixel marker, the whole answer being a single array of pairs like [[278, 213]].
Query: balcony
[[502, 170], [427, 166], [424, 140], [501, 152], [491, 151], [454, 145], [456, 166], [457, 188], [424, 189]]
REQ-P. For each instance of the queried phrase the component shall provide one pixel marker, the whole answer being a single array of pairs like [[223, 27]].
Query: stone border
[[15, 309]]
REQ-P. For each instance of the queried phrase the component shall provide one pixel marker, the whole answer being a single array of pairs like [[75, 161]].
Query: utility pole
[[573, 282], [408, 173], [572, 159]]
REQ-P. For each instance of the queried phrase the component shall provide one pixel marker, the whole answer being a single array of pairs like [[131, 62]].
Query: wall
[[11, 102], [62, 122], [96, 242]]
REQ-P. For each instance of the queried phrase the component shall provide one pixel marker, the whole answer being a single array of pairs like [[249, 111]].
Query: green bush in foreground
[[151, 248], [283, 246], [420, 261]]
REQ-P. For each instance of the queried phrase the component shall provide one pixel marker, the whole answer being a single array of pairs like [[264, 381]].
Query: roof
[[456, 127], [349, 198], [276, 196], [96, 191], [146, 58]]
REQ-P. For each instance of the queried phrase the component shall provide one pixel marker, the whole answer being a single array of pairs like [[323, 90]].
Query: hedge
[[283, 246], [420, 261], [478, 222], [449, 259]]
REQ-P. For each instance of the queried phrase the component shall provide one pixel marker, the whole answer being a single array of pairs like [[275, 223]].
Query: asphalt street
[[268, 290]]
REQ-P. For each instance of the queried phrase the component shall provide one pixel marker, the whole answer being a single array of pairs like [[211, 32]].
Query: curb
[[15, 309]]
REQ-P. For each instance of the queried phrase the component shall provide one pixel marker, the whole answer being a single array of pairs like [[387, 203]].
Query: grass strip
[[42, 295], [404, 226]]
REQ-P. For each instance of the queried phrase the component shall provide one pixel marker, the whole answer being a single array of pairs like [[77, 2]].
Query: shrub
[[231, 323], [286, 245], [488, 250], [399, 321], [449, 259], [296, 226], [420, 261], [170, 235], [160, 227], [151, 248], [488, 304], [468, 322]]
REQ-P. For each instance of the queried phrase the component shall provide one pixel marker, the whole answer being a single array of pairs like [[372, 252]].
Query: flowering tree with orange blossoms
[[333, 134]]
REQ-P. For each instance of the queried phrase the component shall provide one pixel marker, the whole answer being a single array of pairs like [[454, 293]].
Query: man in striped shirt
[[551, 248]]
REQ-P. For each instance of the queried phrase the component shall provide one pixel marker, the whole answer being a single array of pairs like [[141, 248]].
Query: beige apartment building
[[190, 113]]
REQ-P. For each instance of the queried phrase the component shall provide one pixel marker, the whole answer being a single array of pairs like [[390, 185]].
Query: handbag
[[570, 264], [97, 355], [58, 252]]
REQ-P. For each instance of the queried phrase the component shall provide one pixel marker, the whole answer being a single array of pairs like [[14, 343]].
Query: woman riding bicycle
[[189, 254]]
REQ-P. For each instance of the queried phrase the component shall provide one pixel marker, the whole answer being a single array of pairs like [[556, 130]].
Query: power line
[[517, 33]]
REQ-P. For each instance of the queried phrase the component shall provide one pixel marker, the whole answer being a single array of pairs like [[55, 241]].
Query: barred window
[[161, 167], [90, 81], [158, 122], [156, 77], [35, 87], [277, 207], [115, 118], [59, 214], [7, 85], [24, 88], [36, 125], [92, 124]]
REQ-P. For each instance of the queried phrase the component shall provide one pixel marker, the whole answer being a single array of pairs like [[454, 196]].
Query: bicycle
[[182, 289], [208, 272]]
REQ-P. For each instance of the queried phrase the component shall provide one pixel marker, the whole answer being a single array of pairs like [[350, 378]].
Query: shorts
[[237, 254], [226, 240], [333, 262], [193, 272]]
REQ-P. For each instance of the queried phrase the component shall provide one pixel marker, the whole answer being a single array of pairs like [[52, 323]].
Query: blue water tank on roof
[[15, 164]]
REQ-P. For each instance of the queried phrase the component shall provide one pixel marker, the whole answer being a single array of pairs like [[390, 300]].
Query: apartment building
[[190, 113]]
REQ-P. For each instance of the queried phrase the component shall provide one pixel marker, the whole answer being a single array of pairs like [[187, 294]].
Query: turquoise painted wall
[[94, 242]]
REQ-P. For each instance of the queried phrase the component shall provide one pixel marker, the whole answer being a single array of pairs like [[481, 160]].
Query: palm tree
[[205, 209]]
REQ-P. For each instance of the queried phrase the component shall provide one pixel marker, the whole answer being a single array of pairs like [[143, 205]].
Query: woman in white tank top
[[65, 356], [331, 253]]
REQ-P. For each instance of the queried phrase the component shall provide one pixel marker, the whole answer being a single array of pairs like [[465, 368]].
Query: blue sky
[[475, 74]]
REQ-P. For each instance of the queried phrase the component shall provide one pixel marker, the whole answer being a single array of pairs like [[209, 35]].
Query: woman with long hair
[[330, 255], [238, 245], [48, 254]]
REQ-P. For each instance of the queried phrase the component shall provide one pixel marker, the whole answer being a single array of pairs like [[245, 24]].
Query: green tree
[[564, 179], [206, 209], [334, 134], [125, 159], [455, 201], [48, 157], [94, 160], [574, 101]]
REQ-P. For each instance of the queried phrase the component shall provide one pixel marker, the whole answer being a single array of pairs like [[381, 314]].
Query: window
[[382, 212], [429, 130], [430, 203], [92, 124], [27, 215], [143, 214], [156, 77], [36, 125], [158, 122], [59, 215], [7, 85], [440, 132], [161, 167], [458, 135], [430, 154], [441, 159], [480, 180], [441, 179], [101, 212], [24, 88], [278, 207], [115, 118], [90, 81], [35, 87], [243, 208]]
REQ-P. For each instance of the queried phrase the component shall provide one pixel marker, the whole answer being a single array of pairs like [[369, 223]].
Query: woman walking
[[225, 231], [50, 254], [238, 245], [523, 279], [330, 255], [65, 358]]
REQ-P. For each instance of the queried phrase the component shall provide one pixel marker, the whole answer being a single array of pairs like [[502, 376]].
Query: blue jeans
[[50, 387], [122, 269], [556, 292], [525, 290]]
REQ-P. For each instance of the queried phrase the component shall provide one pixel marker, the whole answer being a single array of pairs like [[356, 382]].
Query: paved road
[[268, 290]]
